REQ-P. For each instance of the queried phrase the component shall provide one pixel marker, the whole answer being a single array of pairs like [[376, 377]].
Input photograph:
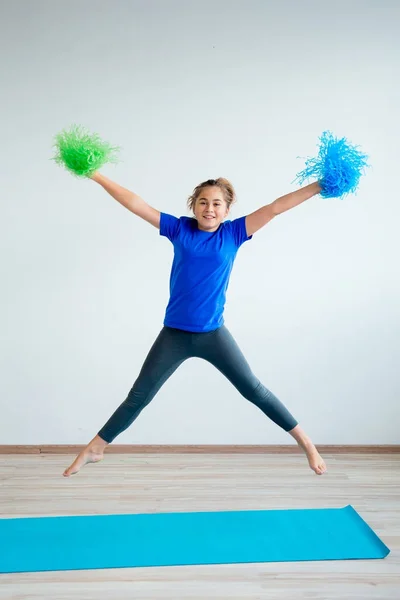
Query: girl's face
[[210, 208]]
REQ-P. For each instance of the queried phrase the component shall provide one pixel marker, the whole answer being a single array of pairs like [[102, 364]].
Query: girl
[[205, 248]]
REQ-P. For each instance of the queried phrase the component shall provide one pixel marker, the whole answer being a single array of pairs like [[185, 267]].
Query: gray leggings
[[171, 348]]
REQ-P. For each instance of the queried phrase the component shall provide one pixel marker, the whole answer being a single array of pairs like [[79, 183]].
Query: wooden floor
[[33, 485]]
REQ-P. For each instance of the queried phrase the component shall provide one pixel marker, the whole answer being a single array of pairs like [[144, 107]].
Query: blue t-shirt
[[200, 272]]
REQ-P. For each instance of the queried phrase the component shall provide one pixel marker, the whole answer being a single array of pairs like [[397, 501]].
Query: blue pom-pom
[[338, 167]]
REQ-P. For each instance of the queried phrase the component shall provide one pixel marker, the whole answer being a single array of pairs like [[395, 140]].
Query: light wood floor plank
[[32, 485]]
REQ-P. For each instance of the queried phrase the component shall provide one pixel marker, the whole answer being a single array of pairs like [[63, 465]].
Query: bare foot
[[91, 454], [315, 460]]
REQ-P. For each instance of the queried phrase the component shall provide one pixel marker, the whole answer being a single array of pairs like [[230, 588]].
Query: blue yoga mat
[[166, 539]]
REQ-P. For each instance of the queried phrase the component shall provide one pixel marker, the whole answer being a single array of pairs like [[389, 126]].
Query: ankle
[[97, 445], [301, 437], [306, 444]]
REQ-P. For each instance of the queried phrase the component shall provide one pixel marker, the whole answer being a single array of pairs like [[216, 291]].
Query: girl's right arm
[[131, 201]]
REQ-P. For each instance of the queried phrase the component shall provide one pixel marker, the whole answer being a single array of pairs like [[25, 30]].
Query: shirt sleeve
[[169, 226], [238, 230]]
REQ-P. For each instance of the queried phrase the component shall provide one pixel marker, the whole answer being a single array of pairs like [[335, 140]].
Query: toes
[[319, 469], [69, 472]]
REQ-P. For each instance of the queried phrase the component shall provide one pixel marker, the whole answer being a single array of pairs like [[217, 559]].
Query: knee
[[251, 389], [136, 399], [259, 393]]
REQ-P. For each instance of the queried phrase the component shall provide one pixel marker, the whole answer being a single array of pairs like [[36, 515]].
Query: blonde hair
[[225, 186]]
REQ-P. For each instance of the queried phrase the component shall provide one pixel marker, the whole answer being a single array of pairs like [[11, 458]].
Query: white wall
[[193, 90]]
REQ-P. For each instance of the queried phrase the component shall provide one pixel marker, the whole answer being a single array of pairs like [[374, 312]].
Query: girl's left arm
[[263, 215]]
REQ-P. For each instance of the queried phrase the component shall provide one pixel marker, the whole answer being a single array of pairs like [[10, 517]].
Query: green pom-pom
[[81, 152]]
